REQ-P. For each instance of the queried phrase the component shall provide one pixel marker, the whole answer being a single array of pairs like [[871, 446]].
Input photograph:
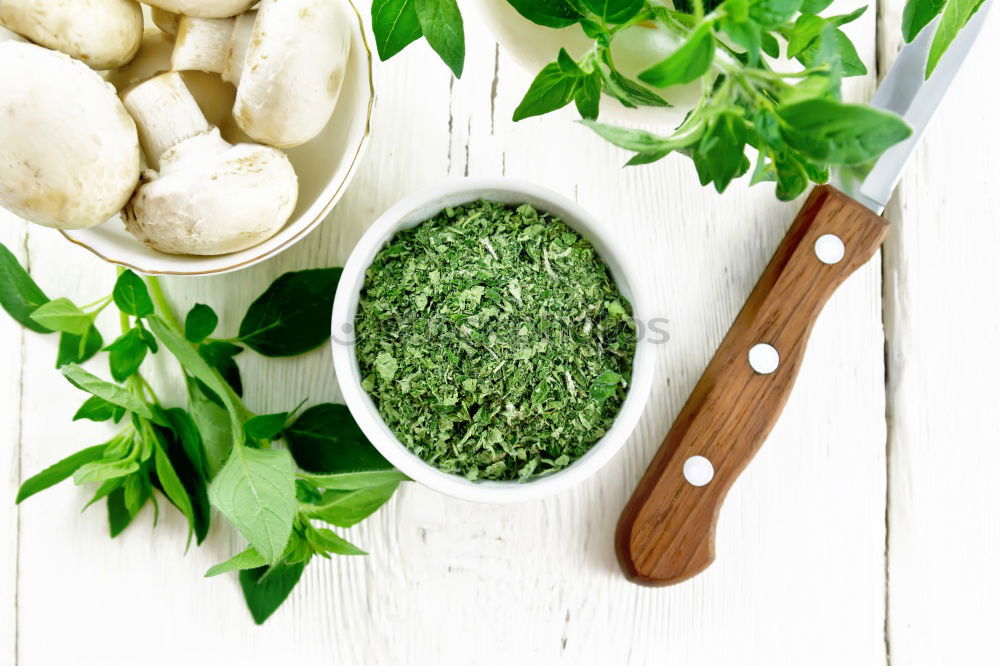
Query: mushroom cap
[[203, 8], [293, 70], [69, 152], [105, 34], [213, 198]]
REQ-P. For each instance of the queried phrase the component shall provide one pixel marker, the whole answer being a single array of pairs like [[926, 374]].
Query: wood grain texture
[[942, 290], [800, 571], [666, 533]]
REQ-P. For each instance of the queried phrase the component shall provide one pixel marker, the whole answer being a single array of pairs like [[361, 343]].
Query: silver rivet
[[829, 249], [698, 470], [763, 358]]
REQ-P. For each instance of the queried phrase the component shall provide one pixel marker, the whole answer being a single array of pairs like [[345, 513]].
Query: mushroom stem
[[213, 45], [165, 113]]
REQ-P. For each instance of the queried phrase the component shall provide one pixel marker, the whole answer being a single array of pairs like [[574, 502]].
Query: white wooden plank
[[799, 575], [942, 286], [12, 235]]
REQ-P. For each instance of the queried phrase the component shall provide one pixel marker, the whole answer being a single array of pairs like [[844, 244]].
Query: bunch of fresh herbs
[[494, 341], [770, 74], [212, 451]]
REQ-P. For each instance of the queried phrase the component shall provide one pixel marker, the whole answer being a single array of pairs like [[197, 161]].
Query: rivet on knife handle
[[666, 532]]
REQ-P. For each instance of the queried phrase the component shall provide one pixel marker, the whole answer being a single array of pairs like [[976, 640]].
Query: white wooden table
[[866, 532]]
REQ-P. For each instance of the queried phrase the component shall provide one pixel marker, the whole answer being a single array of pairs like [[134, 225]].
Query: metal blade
[[905, 92]]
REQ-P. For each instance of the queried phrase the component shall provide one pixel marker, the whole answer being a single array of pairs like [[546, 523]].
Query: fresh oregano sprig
[[790, 115], [211, 451]]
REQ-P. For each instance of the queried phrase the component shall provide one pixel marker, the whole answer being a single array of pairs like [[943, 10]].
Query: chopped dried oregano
[[494, 341]]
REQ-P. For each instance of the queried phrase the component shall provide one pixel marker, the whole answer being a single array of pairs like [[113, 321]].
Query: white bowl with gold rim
[[324, 166], [423, 205]]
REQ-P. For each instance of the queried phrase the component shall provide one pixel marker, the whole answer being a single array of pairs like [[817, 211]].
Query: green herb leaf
[[248, 559], [19, 295], [640, 141], [326, 542], [255, 490], [356, 480], [171, 483], [588, 96], [126, 354], [628, 92], [119, 517], [614, 11], [549, 13], [347, 508], [191, 361], [59, 471], [78, 349], [814, 6], [954, 16], [395, 25], [686, 64], [61, 314], [552, 89], [769, 14], [214, 426], [850, 62], [96, 409], [105, 470], [131, 295], [325, 439], [293, 315], [112, 393], [605, 385], [917, 14], [719, 157], [265, 426], [264, 594], [220, 355], [836, 133], [200, 322], [441, 23]]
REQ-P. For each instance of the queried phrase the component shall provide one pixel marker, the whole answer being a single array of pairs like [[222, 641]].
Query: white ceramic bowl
[[410, 212], [325, 166]]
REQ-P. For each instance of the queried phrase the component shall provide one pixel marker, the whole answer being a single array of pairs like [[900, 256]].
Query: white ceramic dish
[[533, 46], [410, 212], [325, 166]]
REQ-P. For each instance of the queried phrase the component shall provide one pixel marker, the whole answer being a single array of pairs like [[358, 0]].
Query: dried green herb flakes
[[494, 341]]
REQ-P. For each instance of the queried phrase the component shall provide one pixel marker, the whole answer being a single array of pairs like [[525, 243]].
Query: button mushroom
[[166, 21], [105, 34], [203, 8], [69, 153], [287, 60], [208, 196]]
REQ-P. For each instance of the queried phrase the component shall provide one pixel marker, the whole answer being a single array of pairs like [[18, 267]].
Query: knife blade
[[666, 532], [904, 92]]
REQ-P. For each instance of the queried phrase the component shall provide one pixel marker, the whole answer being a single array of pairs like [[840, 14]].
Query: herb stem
[[162, 305]]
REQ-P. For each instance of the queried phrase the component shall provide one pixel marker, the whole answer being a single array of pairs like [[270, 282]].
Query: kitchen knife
[[666, 532]]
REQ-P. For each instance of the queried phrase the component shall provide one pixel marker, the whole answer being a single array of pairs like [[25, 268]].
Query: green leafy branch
[[213, 451]]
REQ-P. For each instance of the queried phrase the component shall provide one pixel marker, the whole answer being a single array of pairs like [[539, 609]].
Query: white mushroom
[[287, 60], [166, 21], [209, 196], [203, 8], [69, 153], [105, 34]]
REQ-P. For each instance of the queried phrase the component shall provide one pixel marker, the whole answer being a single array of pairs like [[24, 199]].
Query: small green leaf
[[327, 542], [214, 426], [605, 385], [441, 24], [552, 89], [917, 14], [814, 6], [19, 295], [769, 14], [954, 15], [719, 157], [200, 322], [220, 355], [63, 315], [350, 507], [630, 93], [266, 426], [264, 594], [588, 96], [119, 517], [77, 349], [687, 63], [614, 11], [325, 439], [356, 480], [191, 361], [248, 559], [171, 483], [112, 393], [549, 13], [255, 490], [293, 315], [640, 141], [96, 409], [59, 471], [395, 25], [131, 295], [835, 133], [126, 354], [850, 62], [104, 470]]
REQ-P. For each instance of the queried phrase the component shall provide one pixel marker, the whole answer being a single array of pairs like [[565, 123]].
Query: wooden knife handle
[[666, 533]]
